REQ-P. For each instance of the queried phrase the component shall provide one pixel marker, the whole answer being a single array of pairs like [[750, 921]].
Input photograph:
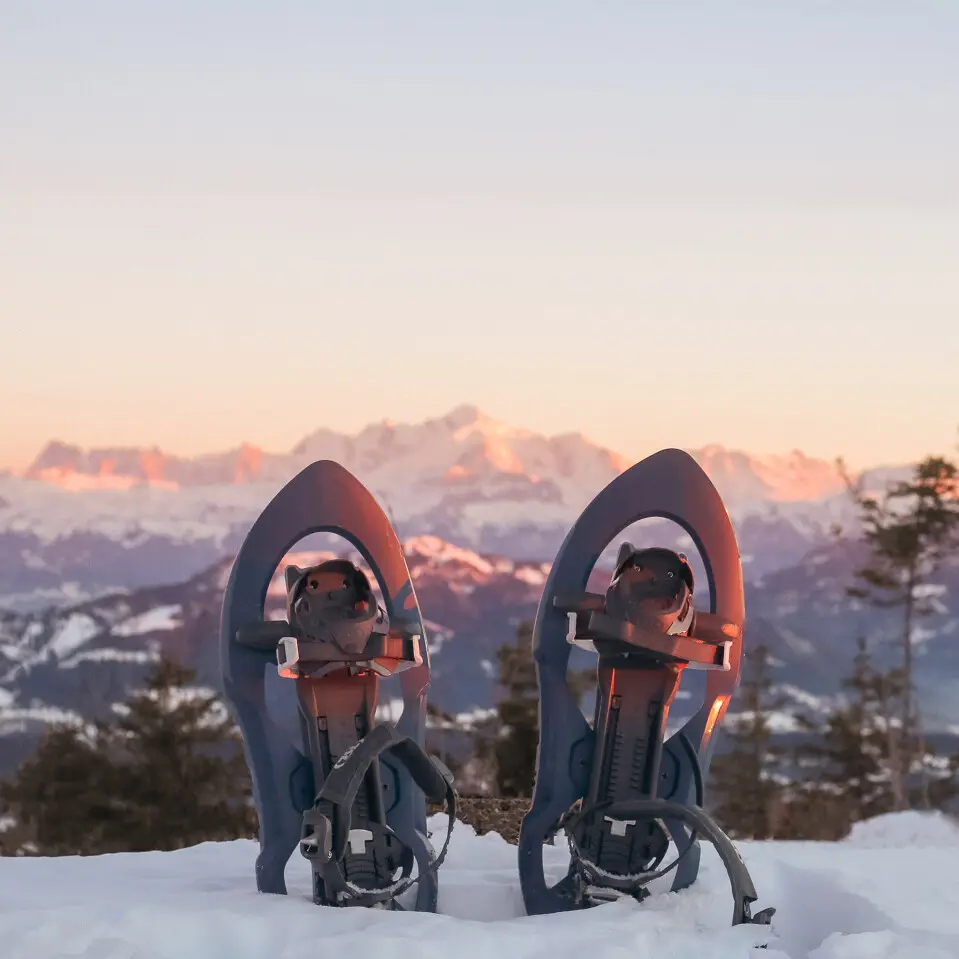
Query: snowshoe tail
[[349, 792], [617, 790]]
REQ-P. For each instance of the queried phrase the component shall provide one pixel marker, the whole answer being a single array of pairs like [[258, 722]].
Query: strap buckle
[[316, 836]]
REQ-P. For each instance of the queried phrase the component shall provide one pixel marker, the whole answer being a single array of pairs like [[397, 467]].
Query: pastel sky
[[659, 224]]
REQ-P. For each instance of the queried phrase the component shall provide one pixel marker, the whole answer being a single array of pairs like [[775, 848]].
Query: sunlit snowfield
[[891, 891]]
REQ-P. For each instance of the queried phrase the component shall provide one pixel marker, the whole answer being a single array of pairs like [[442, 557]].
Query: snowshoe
[[350, 792], [617, 790]]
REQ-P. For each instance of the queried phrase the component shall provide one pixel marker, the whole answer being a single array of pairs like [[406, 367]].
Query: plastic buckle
[[416, 648], [316, 836], [726, 647], [288, 657], [572, 627], [618, 827], [358, 839]]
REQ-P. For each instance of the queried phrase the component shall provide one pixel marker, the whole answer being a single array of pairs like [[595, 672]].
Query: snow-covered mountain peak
[[780, 478], [84, 517], [466, 416], [465, 442]]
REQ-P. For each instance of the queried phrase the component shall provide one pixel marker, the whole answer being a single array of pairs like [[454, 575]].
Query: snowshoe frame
[[293, 742], [623, 775]]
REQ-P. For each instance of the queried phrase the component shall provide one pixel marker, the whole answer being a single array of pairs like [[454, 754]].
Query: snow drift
[[880, 895]]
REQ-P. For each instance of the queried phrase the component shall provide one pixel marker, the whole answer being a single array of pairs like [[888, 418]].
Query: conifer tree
[[441, 738], [167, 772], [510, 740], [744, 785], [64, 799], [188, 779], [849, 762], [514, 748], [909, 530]]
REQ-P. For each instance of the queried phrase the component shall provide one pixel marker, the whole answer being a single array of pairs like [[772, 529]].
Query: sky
[[657, 224]]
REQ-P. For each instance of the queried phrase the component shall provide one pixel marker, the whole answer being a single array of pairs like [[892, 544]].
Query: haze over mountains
[[79, 523]]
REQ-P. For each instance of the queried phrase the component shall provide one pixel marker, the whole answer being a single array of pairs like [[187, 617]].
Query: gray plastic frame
[[671, 485], [324, 497]]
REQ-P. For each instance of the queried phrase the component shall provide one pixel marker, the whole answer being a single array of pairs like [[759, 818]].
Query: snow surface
[[879, 895], [158, 618], [106, 654], [72, 633]]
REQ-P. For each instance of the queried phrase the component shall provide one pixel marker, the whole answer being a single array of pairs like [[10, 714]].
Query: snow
[[439, 551], [533, 575], [797, 643], [15, 719], [107, 654], [153, 620], [75, 631], [66, 593], [776, 720], [390, 710], [179, 695], [503, 476], [834, 901], [803, 697], [474, 717], [933, 594], [438, 635], [927, 590], [921, 635], [915, 829], [13, 653]]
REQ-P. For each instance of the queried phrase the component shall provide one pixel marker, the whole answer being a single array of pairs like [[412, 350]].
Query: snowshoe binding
[[617, 790], [350, 792]]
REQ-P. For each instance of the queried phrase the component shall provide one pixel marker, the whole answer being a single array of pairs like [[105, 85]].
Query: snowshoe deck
[[350, 792], [618, 790]]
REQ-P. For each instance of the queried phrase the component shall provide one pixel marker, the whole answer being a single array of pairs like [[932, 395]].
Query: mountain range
[[75, 662], [110, 557], [83, 523]]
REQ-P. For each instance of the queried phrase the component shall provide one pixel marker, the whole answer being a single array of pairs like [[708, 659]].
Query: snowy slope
[[888, 892], [76, 661]]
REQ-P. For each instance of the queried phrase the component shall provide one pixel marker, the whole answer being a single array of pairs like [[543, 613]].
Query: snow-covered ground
[[891, 891]]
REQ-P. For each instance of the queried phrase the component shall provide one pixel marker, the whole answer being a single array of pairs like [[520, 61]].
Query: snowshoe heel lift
[[617, 790], [350, 792]]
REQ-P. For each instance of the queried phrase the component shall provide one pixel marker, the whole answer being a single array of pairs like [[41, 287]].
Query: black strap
[[701, 823], [579, 812], [344, 782]]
